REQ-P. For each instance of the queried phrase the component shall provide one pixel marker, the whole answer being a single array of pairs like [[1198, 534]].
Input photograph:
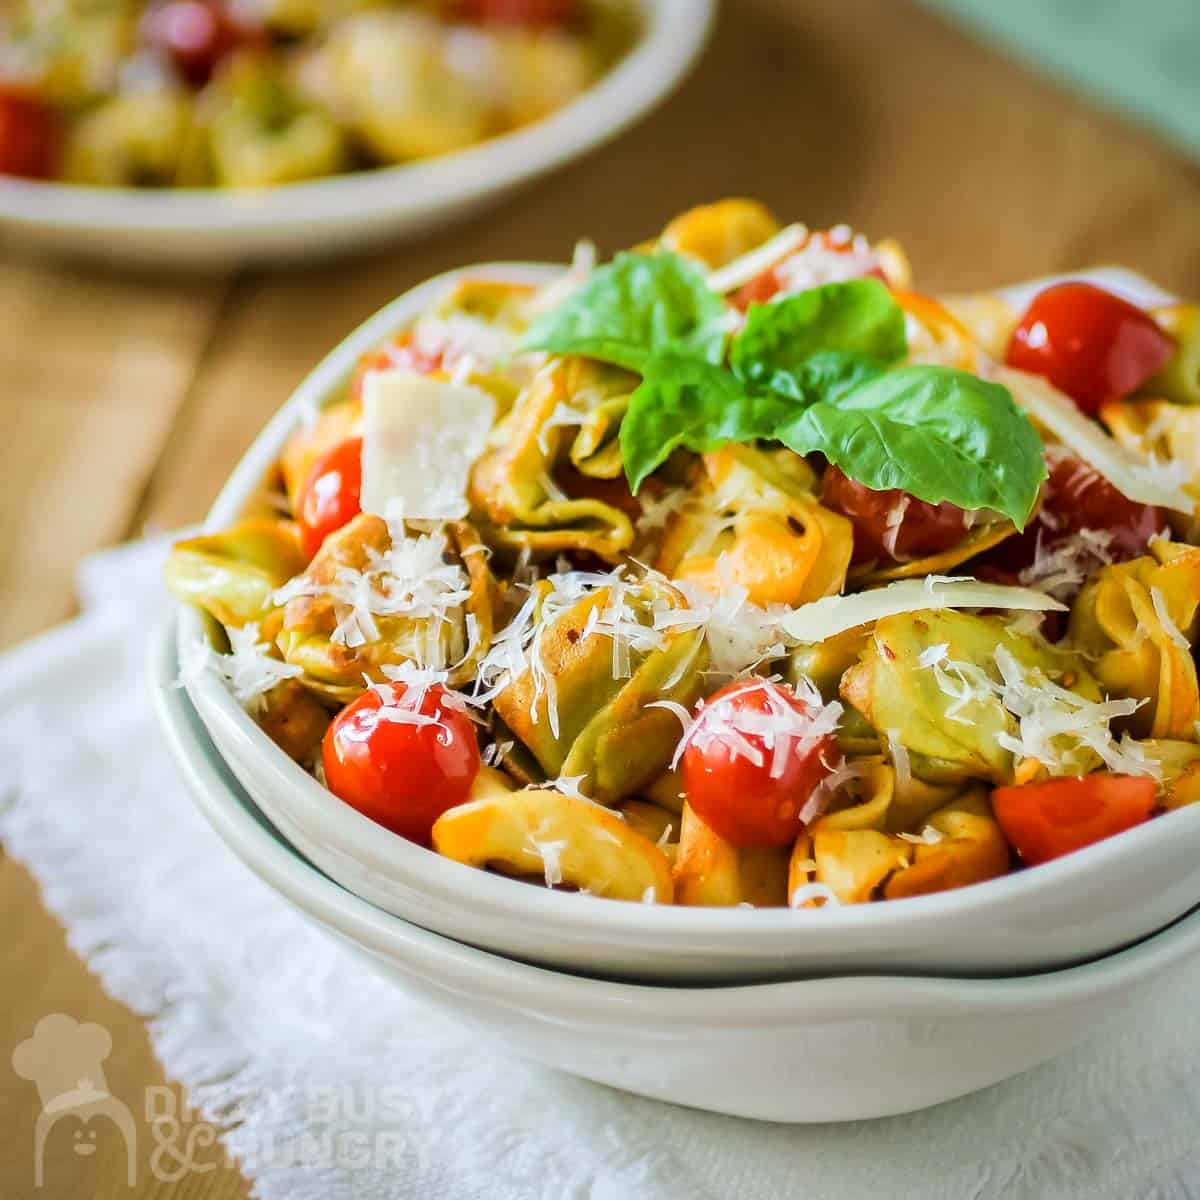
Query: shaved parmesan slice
[[1129, 285], [835, 614], [749, 266], [1134, 477], [420, 439]]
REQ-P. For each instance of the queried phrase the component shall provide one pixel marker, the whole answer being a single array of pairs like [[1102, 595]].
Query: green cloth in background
[[1141, 57]]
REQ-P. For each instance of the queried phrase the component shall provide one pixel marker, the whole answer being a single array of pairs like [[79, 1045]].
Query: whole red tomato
[[753, 760], [1090, 344], [330, 496], [402, 759], [194, 34], [30, 136], [1077, 498]]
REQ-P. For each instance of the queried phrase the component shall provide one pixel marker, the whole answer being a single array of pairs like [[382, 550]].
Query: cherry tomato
[[329, 498], [1074, 498], [403, 773], [752, 761], [1088, 343], [194, 34], [30, 136], [399, 352], [892, 524], [529, 13], [1046, 820]]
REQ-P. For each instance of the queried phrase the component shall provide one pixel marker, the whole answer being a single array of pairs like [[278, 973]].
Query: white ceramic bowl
[[817, 1050], [214, 230], [1078, 907]]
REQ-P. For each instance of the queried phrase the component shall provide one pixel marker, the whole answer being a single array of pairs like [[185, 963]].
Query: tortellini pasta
[[642, 647]]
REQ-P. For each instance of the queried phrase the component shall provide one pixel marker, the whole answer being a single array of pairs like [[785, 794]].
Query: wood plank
[[40, 975], [94, 369]]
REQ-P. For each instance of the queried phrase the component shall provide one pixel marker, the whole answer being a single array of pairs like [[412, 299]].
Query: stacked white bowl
[[809, 1015]]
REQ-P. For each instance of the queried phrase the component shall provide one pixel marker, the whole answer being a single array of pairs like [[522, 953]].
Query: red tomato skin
[[401, 776], [30, 136], [535, 14], [923, 529], [1077, 497], [1043, 821], [194, 34], [399, 352], [1090, 344], [330, 497], [737, 798]]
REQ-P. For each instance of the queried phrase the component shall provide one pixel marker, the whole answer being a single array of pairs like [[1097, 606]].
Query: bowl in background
[[212, 230]]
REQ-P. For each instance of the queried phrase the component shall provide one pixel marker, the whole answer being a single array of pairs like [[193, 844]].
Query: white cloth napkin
[[338, 1085]]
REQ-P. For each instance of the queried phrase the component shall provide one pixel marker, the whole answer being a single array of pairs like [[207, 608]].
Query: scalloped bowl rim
[[390, 855], [675, 34]]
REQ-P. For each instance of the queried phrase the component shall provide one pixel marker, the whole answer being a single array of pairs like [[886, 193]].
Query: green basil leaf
[[684, 401], [936, 432], [848, 328], [827, 375], [633, 308]]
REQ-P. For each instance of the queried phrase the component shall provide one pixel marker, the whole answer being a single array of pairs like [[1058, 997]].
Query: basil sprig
[[636, 306], [810, 371]]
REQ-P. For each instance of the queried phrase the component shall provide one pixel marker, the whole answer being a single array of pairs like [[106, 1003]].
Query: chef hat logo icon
[[64, 1060]]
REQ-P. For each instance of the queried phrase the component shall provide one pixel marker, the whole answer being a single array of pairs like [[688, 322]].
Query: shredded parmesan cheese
[[1172, 630], [249, 671], [1134, 476], [411, 579], [741, 271], [814, 891]]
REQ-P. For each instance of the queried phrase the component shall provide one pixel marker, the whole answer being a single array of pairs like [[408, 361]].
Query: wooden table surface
[[125, 401]]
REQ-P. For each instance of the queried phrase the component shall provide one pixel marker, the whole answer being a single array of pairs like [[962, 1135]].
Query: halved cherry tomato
[[401, 763], [194, 34], [30, 136], [1046, 820], [329, 498], [1089, 343], [891, 524], [530, 13], [752, 762], [401, 351], [1077, 497]]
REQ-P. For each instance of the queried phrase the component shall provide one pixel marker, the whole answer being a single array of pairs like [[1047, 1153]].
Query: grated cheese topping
[[249, 671], [1055, 726], [1172, 630], [1061, 565], [774, 733], [411, 579], [1136, 477], [813, 891], [751, 265]]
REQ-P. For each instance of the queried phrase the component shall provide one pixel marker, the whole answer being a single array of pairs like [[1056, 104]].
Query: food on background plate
[[735, 571], [254, 93]]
